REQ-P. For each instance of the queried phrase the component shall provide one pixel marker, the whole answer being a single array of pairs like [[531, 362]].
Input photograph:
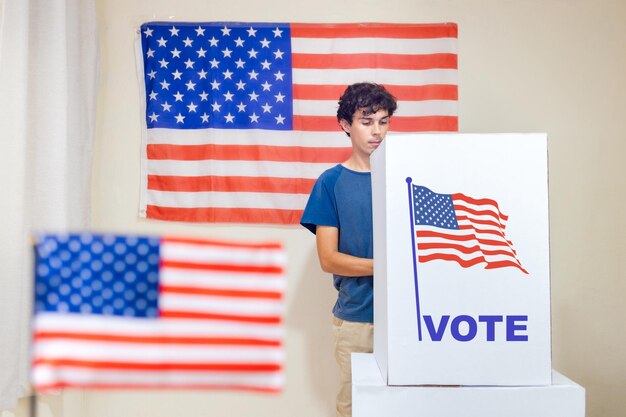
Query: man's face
[[367, 131]]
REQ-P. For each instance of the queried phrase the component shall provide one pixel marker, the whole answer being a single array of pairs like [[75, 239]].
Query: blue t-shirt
[[342, 198]]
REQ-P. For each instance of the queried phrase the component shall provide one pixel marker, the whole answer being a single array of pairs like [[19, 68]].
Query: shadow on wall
[[310, 314]]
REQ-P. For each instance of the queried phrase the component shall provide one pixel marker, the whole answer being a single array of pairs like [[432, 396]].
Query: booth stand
[[371, 397], [462, 281]]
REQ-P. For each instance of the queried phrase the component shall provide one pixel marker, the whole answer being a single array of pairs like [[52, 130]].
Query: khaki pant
[[349, 337]]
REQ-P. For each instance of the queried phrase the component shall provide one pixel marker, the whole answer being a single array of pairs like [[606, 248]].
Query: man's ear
[[345, 126]]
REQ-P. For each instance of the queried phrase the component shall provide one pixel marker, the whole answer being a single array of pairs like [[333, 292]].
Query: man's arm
[[335, 262]]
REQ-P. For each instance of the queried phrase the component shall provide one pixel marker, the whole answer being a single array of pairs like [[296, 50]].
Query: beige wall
[[555, 66]]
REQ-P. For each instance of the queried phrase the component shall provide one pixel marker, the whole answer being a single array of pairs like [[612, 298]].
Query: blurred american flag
[[143, 312]]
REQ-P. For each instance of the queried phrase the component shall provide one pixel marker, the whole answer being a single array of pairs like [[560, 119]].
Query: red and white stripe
[[221, 326], [480, 239], [261, 176]]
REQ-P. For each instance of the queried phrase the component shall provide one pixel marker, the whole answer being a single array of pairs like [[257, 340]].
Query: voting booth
[[462, 276]]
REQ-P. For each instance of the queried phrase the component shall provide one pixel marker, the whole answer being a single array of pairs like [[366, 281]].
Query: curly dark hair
[[368, 96]]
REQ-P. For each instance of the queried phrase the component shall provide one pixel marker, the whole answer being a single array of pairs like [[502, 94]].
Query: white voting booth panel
[[371, 397], [461, 259]]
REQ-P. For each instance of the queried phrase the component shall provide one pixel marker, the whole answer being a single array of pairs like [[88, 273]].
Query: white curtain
[[48, 70]]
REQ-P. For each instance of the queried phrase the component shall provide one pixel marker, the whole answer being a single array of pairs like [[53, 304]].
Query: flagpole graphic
[[409, 180]]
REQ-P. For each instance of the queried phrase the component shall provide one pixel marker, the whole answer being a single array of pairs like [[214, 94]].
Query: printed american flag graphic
[[240, 118], [462, 229], [142, 312]]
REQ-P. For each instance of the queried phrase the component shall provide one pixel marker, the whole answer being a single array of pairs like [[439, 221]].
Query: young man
[[339, 212]]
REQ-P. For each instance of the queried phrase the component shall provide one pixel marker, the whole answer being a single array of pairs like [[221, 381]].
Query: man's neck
[[358, 163]]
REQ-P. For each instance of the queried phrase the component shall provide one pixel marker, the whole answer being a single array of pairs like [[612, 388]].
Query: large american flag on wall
[[116, 311], [240, 118]]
